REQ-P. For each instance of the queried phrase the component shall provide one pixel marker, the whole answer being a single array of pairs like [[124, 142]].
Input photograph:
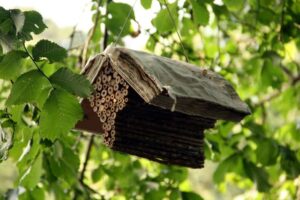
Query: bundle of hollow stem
[[108, 99], [130, 125]]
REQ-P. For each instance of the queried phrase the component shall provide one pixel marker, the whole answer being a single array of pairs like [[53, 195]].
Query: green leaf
[[234, 5], [146, 3], [50, 50], [200, 13], [11, 65], [33, 175], [7, 26], [289, 162], [257, 175], [155, 194], [31, 87], [271, 75], [4, 14], [190, 196], [231, 164], [267, 152], [163, 21], [73, 83], [97, 174], [33, 24], [64, 163], [60, 113], [119, 13], [266, 15]]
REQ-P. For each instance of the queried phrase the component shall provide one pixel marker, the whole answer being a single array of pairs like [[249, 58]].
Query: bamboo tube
[[107, 98], [103, 93], [110, 90], [104, 79], [99, 87]]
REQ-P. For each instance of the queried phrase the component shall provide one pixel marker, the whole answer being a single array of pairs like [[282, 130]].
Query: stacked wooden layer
[[130, 125]]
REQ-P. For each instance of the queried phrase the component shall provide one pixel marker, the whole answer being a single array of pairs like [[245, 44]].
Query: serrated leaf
[[33, 24], [11, 65], [163, 21], [33, 175], [73, 83], [50, 50], [60, 113], [146, 3], [31, 87], [200, 13]]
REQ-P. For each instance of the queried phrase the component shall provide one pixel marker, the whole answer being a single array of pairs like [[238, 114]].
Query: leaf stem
[[35, 64]]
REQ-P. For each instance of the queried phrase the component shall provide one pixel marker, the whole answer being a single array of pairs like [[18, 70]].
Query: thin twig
[[87, 157], [72, 36], [277, 93], [281, 20], [286, 70], [105, 38], [90, 36], [176, 29], [35, 64]]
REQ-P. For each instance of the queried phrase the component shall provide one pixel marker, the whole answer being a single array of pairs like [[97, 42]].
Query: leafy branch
[[35, 64]]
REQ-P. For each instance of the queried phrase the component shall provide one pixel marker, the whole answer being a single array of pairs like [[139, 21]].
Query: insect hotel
[[154, 107]]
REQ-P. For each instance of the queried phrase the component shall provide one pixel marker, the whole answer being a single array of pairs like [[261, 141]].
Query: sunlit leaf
[[33, 175], [231, 164], [119, 13], [146, 3], [234, 5], [163, 21], [200, 13]]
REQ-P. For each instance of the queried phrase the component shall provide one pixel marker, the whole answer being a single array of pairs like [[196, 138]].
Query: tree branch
[[275, 94], [281, 20], [87, 157], [35, 64]]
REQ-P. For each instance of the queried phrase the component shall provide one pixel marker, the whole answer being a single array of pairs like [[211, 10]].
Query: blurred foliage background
[[254, 44]]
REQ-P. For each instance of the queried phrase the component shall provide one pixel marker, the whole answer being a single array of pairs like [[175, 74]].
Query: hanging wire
[[178, 34], [129, 13]]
